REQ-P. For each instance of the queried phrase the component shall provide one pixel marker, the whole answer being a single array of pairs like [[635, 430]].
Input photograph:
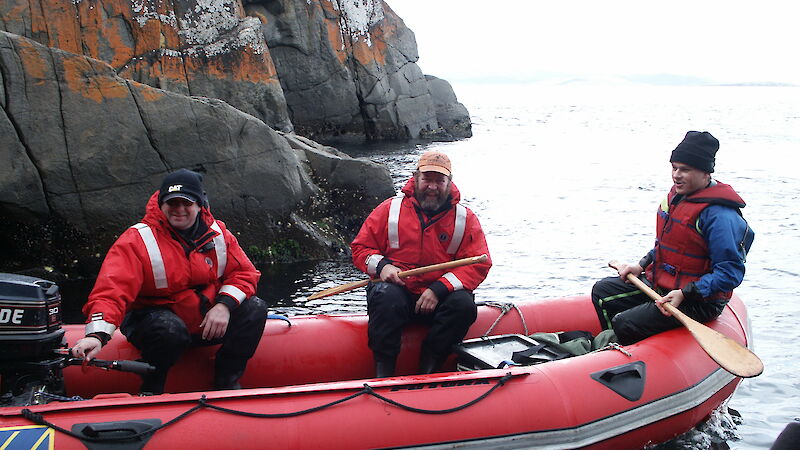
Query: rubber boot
[[227, 372], [228, 382], [384, 369], [153, 383], [429, 363]]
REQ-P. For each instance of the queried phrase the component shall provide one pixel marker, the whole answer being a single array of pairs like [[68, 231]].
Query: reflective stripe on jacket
[[398, 231], [681, 251], [147, 266]]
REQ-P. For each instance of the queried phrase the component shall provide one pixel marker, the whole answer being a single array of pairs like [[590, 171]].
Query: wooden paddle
[[729, 354], [407, 273]]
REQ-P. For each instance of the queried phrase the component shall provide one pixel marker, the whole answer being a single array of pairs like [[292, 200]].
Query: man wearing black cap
[[178, 278], [701, 244]]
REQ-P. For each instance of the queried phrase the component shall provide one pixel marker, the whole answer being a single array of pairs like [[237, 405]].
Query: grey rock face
[[86, 149], [347, 67], [327, 68], [368, 180], [192, 47], [451, 115], [320, 91]]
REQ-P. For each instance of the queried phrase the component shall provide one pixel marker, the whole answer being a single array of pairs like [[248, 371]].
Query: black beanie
[[182, 183], [697, 150]]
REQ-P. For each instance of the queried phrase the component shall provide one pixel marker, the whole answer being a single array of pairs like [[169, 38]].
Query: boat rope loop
[[499, 383], [61, 398], [38, 419], [205, 403], [368, 390], [504, 308], [202, 402]]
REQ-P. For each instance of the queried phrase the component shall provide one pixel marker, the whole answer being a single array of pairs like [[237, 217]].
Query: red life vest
[[681, 252]]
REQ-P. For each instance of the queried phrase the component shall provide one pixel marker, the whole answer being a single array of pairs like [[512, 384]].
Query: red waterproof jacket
[[681, 251], [147, 266], [397, 230]]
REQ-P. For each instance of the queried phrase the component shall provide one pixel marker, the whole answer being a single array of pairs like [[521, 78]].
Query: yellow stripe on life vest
[[665, 205]]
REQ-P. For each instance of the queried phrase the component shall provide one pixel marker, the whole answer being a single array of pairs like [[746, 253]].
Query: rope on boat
[[366, 390], [38, 419], [202, 402], [504, 308], [205, 403], [499, 383], [61, 398]]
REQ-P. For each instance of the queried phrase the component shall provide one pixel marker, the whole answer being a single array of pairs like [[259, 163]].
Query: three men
[[424, 225], [178, 278], [698, 259]]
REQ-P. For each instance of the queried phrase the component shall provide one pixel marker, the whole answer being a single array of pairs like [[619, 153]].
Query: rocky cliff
[[84, 148], [101, 98], [325, 67]]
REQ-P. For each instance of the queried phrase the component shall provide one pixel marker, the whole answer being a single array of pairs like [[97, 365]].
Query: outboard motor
[[30, 335]]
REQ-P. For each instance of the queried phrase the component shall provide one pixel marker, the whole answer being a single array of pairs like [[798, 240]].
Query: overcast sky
[[724, 41]]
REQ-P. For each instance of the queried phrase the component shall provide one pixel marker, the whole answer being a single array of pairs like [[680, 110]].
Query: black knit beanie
[[697, 150]]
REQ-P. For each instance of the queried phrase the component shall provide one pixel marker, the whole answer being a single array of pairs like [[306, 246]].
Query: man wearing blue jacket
[[698, 259]]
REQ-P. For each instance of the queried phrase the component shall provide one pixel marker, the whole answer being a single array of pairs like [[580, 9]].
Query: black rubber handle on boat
[[122, 365], [139, 367]]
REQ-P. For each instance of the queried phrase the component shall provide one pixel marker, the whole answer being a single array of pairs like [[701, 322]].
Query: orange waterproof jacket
[[399, 231], [147, 266]]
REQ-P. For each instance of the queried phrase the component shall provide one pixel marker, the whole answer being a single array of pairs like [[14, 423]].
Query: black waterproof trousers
[[634, 316], [162, 337], [391, 308]]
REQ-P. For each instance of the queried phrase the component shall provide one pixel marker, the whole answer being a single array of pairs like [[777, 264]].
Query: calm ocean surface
[[566, 178]]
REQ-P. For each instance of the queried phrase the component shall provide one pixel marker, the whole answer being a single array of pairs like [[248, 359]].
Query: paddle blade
[[733, 357], [729, 354]]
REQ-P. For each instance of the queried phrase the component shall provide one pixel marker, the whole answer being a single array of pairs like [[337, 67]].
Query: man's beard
[[432, 204]]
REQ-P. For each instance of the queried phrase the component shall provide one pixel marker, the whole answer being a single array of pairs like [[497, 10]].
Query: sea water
[[565, 178]]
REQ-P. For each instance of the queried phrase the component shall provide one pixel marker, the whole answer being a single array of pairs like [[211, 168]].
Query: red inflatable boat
[[310, 386]]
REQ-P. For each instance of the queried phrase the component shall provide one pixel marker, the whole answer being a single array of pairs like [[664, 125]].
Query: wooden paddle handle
[[441, 266], [653, 294], [406, 273]]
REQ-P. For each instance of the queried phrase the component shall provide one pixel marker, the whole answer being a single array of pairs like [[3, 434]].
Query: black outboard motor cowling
[[30, 317], [30, 331]]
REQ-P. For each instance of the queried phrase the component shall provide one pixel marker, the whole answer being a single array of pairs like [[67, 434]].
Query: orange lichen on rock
[[85, 80], [242, 66], [139, 38], [34, 63], [104, 37], [169, 67], [335, 39], [154, 35], [15, 15], [63, 31], [149, 93], [368, 54]]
